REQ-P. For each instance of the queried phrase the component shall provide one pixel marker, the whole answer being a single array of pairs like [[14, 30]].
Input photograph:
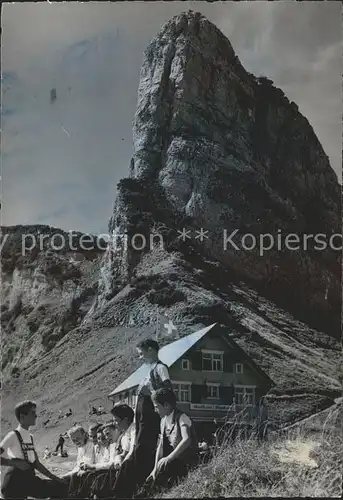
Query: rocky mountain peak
[[218, 149], [193, 29]]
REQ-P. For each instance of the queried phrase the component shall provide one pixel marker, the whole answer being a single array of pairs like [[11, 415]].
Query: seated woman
[[85, 456]]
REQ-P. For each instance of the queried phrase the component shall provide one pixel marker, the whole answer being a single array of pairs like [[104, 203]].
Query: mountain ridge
[[210, 151]]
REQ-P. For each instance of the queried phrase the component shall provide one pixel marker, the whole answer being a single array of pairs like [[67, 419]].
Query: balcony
[[223, 413]]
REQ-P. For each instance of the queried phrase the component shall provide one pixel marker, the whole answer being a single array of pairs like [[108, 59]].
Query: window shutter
[[198, 392], [196, 360], [228, 362], [226, 394]]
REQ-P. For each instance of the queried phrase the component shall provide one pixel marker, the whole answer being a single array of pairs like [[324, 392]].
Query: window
[[244, 396], [185, 364], [134, 398], [239, 395], [213, 391], [212, 361], [238, 368], [249, 396], [182, 392], [185, 392]]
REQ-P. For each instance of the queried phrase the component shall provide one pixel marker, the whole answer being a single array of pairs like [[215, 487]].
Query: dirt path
[[296, 451]]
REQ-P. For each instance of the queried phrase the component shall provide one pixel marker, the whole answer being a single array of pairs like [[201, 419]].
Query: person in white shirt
[[95, 472], [18, 453], [123, 419], [85, 450], [103, 473], [140, 462], [177, 449], [123, 424], [101, 450], [85, 456], [101, 447], [109, 440], [113, 435], [92, 432]]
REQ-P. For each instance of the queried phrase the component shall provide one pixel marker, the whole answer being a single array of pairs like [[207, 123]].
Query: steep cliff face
[[49, 281], [232, 155]]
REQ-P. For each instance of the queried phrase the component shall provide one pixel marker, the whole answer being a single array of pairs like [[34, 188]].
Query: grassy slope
[[305, 464], [90, 360]]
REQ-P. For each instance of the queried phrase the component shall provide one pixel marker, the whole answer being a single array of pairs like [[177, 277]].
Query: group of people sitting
[[97, 411], [134, 455]]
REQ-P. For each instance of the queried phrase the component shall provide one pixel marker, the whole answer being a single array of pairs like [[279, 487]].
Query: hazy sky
[[61, 161]]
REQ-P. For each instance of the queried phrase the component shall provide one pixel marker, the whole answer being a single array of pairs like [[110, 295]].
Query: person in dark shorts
[[60, 444], [139, 463], [177, 451], [20, 480]]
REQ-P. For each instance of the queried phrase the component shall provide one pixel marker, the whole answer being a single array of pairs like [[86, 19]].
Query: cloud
[[62, 160]]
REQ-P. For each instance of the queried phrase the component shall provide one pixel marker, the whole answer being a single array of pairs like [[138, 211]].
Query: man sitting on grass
[[22, 460], [177, 449]]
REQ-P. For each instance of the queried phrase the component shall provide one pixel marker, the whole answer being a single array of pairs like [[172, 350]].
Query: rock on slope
[[217, 148]]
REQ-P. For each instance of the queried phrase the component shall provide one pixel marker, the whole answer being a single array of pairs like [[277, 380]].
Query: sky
[[61, 160]]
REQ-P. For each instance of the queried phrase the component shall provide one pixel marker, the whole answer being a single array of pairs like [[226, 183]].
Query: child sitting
[[113, 435], [85, 450], [105, 456], [123, 419], [101, 448], [92, 432], [97, 472], [177, 449], [85, 456], [122, 435]]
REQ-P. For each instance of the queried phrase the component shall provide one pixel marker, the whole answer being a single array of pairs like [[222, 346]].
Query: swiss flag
[[164, 327]]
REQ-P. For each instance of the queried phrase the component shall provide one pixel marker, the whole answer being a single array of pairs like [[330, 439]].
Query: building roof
[[168, 354]]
